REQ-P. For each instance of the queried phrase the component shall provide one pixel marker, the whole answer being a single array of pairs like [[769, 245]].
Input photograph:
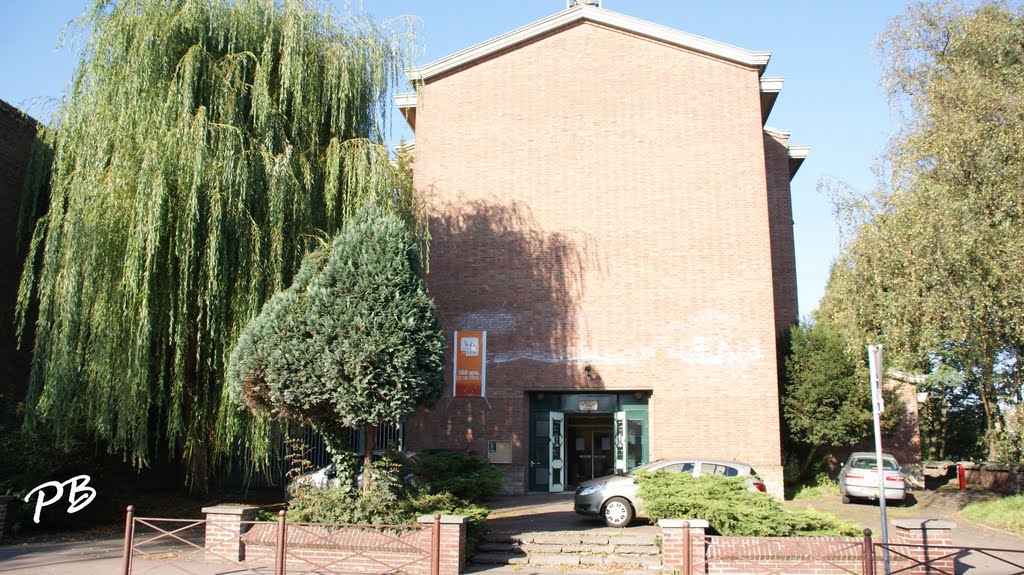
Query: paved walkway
[[547, 512]]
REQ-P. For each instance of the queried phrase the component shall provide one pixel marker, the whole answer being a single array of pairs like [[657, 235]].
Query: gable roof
[[588, 13]]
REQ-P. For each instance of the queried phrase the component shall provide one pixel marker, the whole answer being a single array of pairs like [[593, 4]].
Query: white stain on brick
[[495, 322]]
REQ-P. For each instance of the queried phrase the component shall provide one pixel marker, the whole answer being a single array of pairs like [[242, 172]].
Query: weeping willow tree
[[203, 148]]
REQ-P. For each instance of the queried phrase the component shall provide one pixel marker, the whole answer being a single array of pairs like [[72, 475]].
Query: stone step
[[497, 546], [581, 549], [500, 558], [572, 538], [568, 550]]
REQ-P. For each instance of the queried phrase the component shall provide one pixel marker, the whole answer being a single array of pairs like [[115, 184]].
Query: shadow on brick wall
[[493, 268]]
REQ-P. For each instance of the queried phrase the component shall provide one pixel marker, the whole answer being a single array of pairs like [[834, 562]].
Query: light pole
[[877, 406]]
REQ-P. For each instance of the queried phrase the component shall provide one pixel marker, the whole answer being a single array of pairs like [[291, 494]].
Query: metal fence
[[201, 547], [711, 555], [241, 474]]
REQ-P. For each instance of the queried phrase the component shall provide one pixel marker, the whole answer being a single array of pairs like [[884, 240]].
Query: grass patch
[[1006, 513], [823, 486]]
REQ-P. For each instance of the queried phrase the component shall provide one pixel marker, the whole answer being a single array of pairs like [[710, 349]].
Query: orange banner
[[470, 371]]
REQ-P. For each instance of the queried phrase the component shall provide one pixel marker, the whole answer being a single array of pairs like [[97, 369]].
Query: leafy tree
[[202, 148], [353, 343], [935, 260], [827, 396]]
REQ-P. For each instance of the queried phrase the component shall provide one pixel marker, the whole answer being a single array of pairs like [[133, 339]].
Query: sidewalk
[[100, 557]]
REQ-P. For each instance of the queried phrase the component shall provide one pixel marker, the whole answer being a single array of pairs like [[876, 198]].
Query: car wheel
[[617, 512], [846, 498]]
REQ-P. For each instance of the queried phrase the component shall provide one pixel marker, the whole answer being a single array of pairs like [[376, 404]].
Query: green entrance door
[[577, 437]]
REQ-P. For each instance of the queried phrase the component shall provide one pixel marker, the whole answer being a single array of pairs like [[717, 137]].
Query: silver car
[[614, 497], [858, 478]]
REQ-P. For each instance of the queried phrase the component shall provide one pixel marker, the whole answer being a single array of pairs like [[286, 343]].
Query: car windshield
[[864, 463], [646, 467]]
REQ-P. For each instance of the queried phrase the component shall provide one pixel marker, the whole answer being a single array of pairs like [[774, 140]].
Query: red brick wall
[[601, 199], [780, 222], [367, 550], [17, 131], [911, 551]]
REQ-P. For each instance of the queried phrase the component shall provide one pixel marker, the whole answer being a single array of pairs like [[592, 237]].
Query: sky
[[825, 51]]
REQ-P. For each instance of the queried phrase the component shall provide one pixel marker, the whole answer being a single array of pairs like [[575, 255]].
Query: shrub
[[448, 504], [821, 486], [465, 475], [729, 508], [393, 499]]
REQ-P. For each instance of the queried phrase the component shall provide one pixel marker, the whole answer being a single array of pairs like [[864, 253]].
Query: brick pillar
[[224, 529], [4, 500], [453, 542], [674, 545], [918, 535]]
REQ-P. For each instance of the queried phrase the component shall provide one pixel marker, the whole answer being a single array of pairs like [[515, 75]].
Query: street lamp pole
[[877, 406]]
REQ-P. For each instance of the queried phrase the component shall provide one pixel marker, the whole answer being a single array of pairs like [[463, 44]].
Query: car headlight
[[591, 489]]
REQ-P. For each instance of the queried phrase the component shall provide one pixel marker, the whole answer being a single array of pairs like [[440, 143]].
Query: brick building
[[607, 204], [17, 133]]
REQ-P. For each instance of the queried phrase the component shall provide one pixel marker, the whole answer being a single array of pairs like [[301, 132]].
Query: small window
[[731, 471]]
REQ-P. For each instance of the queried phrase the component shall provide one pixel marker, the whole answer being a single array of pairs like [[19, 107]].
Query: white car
[[614, 497], [858, 478]]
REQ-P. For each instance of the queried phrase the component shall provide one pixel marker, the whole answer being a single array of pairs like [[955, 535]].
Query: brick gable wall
[[601, 199]]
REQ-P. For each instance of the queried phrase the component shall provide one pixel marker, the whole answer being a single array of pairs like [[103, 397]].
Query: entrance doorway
[[577, 437], [591, 446]]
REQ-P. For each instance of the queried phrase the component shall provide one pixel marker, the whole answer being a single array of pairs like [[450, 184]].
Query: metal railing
[[854, 557], [951, 559], [280, 547]]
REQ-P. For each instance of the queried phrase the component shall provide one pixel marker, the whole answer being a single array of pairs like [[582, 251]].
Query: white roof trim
[[593, 14], [771, 84], [406, 100], [799, 152]]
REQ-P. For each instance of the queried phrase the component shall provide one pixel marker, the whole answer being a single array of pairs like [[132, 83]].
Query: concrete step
[[486, 558], [572, 550]]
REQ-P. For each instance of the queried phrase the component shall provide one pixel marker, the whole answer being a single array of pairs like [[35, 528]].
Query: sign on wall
[[470, 372]]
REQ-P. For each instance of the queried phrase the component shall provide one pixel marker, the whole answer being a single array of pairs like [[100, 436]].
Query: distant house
[[607, 204]]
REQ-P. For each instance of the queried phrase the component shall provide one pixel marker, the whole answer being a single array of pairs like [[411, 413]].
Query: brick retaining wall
[[360, 549], [802, 555]]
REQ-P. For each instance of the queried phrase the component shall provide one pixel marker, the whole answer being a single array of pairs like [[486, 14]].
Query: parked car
[[614, 497], [322, 478], [858, 478]]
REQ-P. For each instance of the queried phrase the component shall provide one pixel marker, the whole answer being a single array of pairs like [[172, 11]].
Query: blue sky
[[830, 101]]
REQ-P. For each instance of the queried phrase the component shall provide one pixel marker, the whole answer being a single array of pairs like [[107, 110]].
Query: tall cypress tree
[[203, 148], [354, 343]]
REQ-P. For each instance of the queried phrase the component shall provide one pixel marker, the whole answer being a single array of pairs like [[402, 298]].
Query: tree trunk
[[369, 442], [986, 389], [806, 464]]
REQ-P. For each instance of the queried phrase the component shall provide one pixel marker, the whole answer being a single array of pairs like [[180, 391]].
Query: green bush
[[729, 508], [465, 475], [448, 504], [393, 500], [820, 487]]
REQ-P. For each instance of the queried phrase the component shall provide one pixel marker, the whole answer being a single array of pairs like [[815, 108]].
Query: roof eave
[[770, 88], [797, 155], [406, 104], [589, 13]]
